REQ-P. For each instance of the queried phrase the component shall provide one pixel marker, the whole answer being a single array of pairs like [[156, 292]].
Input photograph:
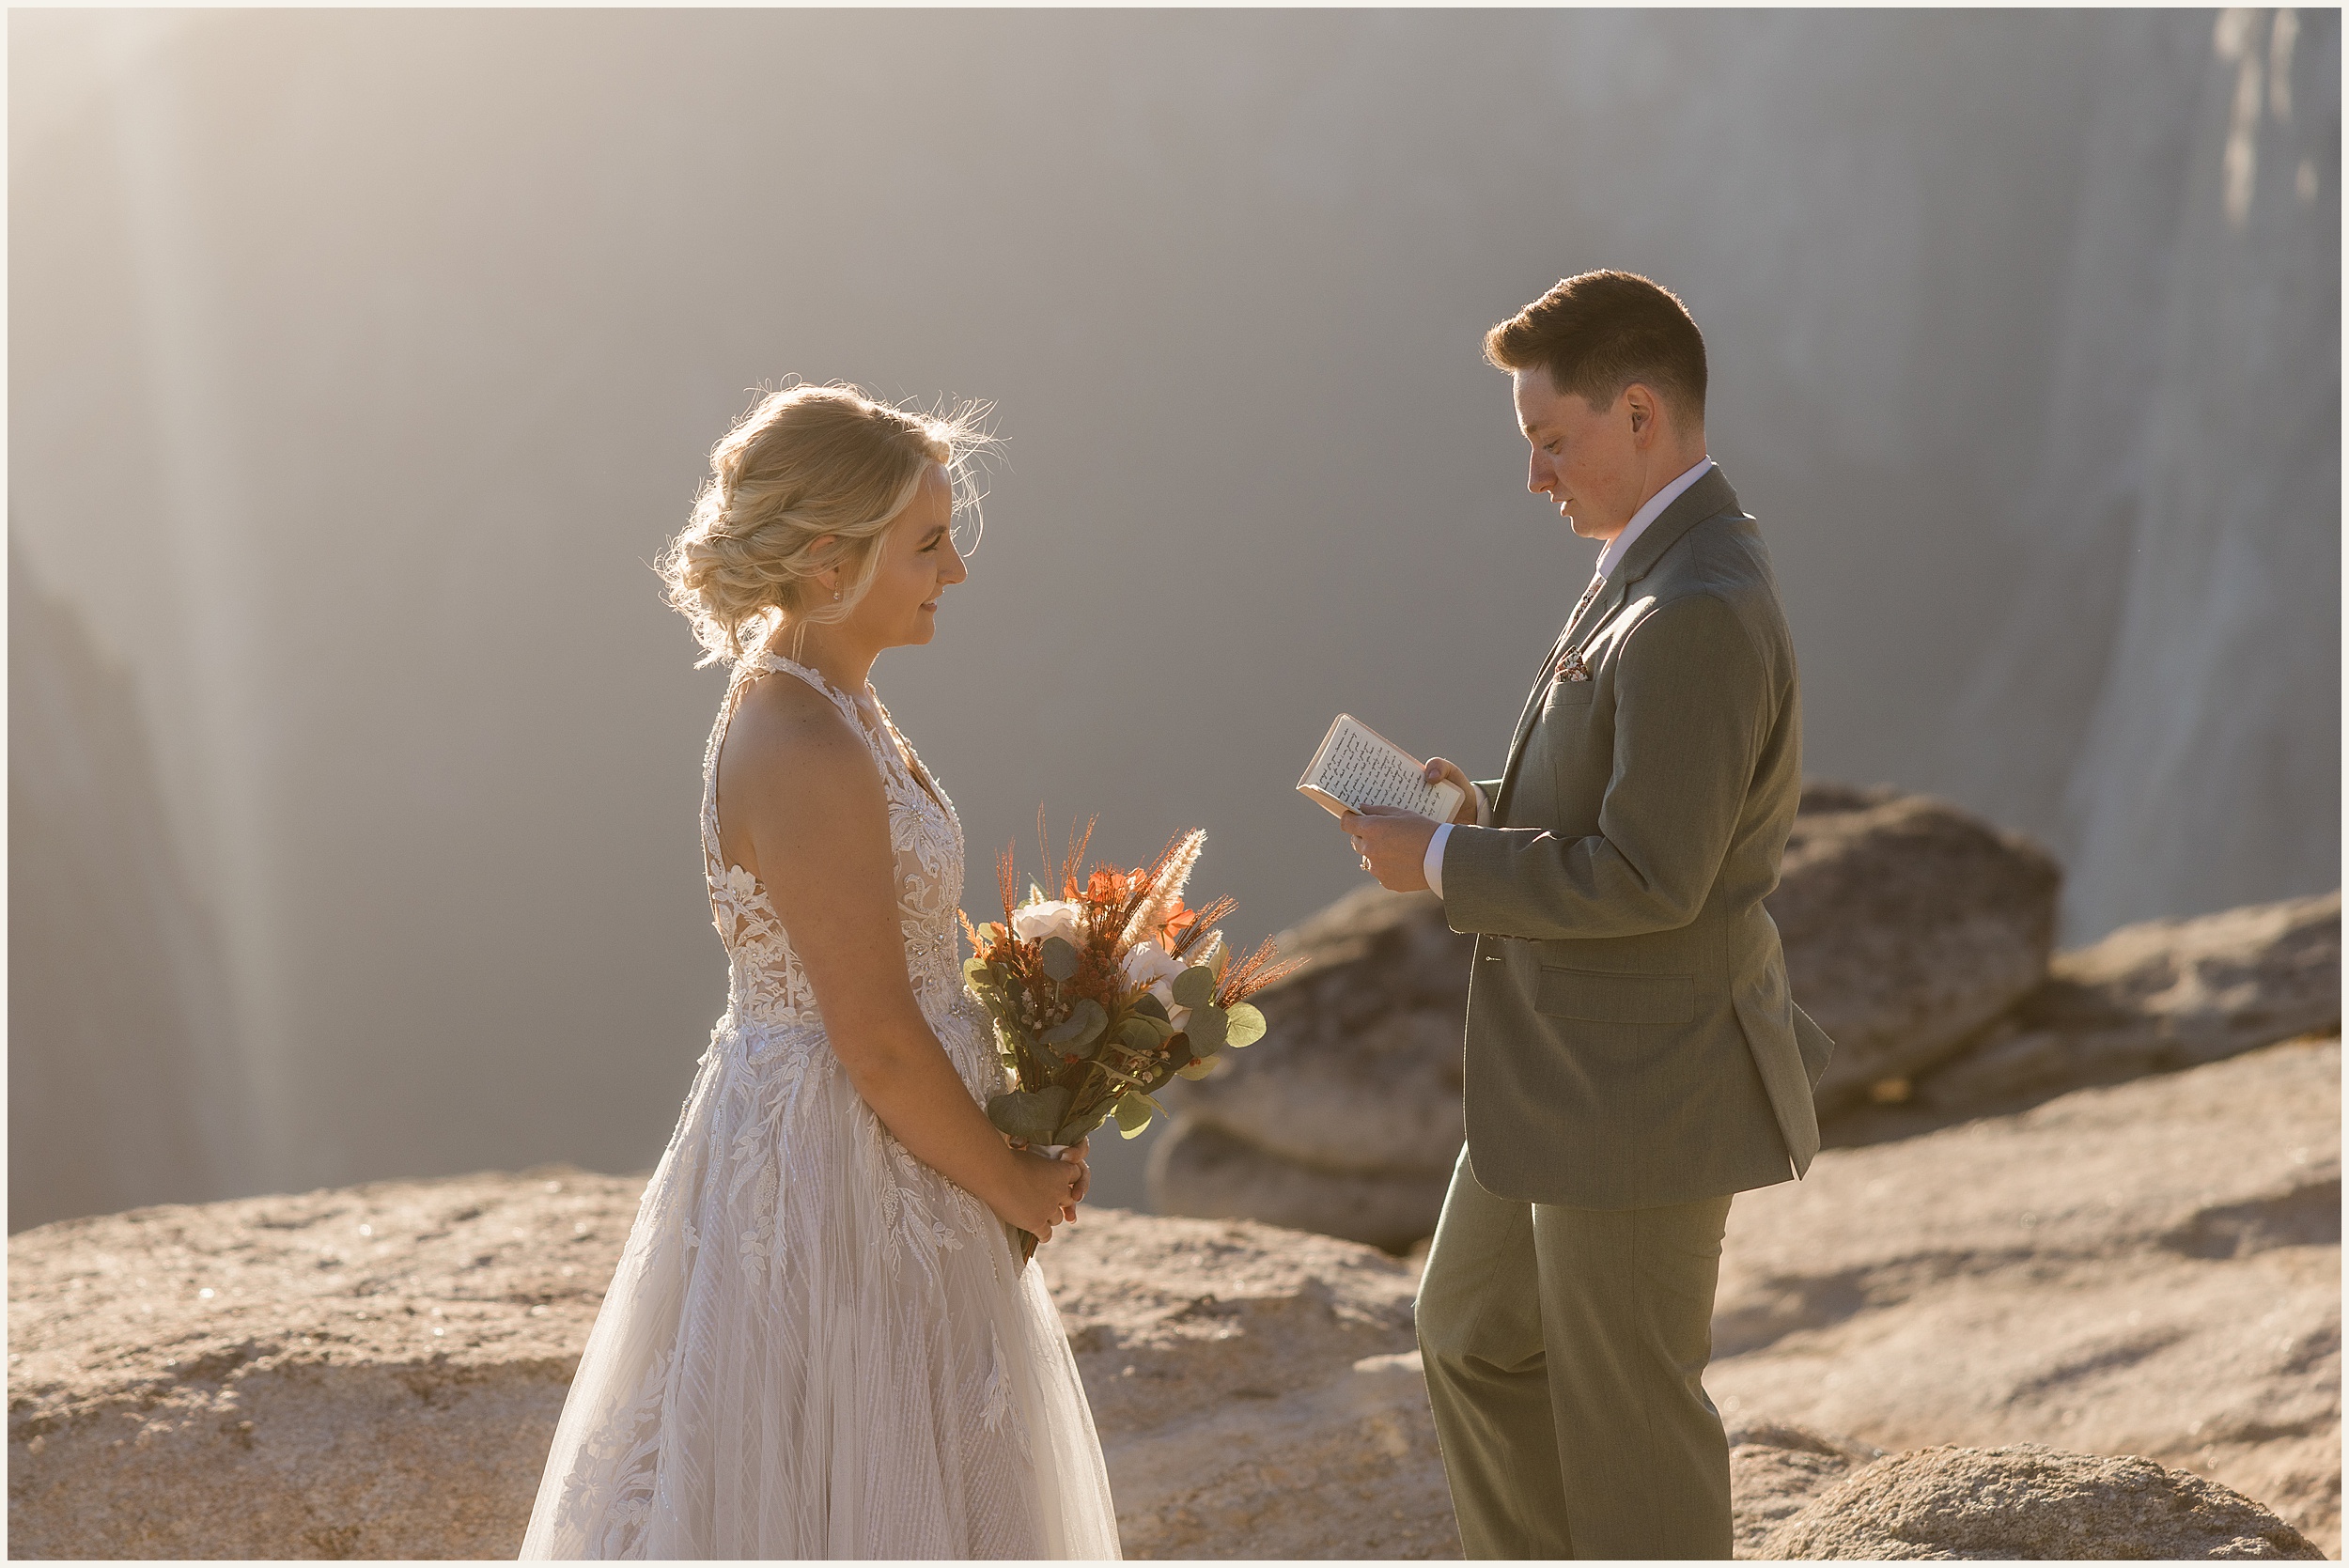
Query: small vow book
[[1358, 766]]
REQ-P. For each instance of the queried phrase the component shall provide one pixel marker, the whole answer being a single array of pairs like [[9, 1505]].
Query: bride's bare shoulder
[[787, 732]]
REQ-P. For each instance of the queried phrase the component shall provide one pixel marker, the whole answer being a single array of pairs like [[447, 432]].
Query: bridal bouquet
[[1102, 995]]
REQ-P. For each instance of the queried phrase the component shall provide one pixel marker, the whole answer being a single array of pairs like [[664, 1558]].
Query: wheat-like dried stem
[[1169, 874], [1209, 918], [1073, 861], [1248, 975], [1004, 875]]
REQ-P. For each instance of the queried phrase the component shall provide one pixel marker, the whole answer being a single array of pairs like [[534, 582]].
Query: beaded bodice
[[766, 986]]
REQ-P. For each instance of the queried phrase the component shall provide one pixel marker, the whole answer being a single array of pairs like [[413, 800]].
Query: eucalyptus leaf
[[973, 967], [1197, 1069], [1209, 1030], [1133, 1114], [1060, 958], [1195, 987], [1247, 1025], [1033, 1116], [1083, 1126], [1084, 1025], [1149, 1006], [1140, 1033]]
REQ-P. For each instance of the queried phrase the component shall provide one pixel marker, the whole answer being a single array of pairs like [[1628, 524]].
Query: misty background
[[361, 361]]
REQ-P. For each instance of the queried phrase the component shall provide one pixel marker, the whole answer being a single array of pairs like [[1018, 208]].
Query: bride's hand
[[1081, 1154], [1037, 1192]]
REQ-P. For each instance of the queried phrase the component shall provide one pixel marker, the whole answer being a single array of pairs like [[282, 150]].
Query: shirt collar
[[1620, 546]]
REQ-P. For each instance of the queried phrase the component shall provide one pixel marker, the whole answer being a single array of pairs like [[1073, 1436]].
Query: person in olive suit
[[1634, 1056]]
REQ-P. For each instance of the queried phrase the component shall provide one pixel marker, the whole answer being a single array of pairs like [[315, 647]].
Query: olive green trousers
[[1566, 1353]]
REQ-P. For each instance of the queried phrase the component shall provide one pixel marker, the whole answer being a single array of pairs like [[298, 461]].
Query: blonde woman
[[821, 1340]]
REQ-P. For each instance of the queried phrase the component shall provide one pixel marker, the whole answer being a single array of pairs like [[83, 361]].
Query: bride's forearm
[[912, 1087]]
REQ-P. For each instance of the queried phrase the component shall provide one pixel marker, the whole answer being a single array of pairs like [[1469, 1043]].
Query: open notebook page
[[1358, 766]]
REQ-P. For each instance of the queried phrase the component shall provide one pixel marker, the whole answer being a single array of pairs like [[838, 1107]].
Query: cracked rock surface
[[362, 1371], [2152, 1269], [376, 1371]]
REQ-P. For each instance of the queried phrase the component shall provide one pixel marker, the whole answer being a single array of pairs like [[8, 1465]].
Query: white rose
[[1153, 968], [1147, 964], [1057, 918]]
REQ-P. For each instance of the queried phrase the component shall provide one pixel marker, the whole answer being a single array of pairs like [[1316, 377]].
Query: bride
[[821, 1340]]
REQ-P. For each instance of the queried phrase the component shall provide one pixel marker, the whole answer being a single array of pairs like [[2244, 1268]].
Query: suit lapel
[[1593, 613], [1708, 497], [1550, 660]]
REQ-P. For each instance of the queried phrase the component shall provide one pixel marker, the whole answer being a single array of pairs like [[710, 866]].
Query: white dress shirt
[[1608, 559]]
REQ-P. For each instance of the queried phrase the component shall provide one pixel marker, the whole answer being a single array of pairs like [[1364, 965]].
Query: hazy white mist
[[361, 360]]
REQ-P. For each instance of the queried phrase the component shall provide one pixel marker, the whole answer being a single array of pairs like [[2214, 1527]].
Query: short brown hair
[[1598, 332]]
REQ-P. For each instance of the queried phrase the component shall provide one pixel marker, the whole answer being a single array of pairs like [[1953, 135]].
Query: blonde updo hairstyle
[[808, 480]]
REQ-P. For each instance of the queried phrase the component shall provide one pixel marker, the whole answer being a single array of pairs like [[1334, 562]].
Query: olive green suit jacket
[[1632, 1038]]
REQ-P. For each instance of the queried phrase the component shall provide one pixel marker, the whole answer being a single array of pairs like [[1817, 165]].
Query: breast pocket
[[1567, 696], [1590, 996]]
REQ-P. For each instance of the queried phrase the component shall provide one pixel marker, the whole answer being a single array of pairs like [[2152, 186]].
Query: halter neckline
[[761, 660], [888, 745]]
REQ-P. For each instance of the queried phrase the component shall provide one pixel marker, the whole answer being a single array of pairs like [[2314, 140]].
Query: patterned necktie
[[1584, 602], [1571, 666]]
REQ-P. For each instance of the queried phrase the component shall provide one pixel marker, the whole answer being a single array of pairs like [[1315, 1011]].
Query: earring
[[835, 596]]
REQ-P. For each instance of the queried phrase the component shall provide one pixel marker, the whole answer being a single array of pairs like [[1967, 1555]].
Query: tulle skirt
[[816, 1346]]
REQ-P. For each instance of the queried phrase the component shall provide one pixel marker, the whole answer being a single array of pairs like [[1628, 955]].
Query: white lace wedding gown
[[815, 1346]]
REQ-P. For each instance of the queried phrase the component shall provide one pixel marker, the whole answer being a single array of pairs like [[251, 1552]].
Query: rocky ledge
[[2152, 1269], [1916, 934], [2145, 1277]]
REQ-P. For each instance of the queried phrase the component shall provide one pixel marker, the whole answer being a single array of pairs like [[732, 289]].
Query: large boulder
[[1198, 1168], [1908, 926], [1776, 1468], [2028, 1501], [1359, 1067], [2150, 1269], [2152, 998], [1346, 1117]]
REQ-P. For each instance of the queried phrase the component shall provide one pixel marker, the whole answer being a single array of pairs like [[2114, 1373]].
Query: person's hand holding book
[[1441, 771], [1392, 842]]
